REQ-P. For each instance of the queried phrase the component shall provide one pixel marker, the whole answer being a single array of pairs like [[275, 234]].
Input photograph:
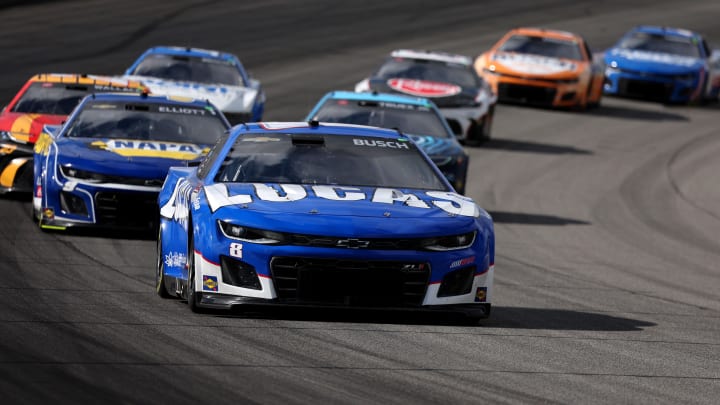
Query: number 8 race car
[[322, 215]]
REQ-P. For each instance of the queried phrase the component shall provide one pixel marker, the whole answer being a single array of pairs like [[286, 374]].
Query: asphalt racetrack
[[607, 278]]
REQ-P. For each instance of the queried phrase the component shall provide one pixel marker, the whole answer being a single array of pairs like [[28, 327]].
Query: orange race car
[[542, 67], [46, 98]]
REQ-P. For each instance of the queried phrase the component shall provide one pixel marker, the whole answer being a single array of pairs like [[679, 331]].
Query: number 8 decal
[[236, 250]]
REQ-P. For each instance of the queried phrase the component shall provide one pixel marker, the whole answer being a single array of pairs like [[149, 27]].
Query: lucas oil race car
[[46, 98], [449, 80], [319, 214], [542, 67], [663, 64], [202, 74], [417, 117], [104, 167]]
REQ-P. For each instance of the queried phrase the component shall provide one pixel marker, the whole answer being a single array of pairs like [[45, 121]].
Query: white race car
[[464, 98], [201, 74]]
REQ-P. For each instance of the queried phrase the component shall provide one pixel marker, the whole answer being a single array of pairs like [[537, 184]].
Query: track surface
[[607, 222]]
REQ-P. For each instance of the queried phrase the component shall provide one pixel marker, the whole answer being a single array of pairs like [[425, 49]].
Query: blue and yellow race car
[[318, 214], [662, 64], [104, 167]]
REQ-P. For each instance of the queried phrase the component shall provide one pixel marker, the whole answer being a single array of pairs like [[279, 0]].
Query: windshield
[[190, 69], [543, 46], [408, 118], [147, 121], [328, 160], [421, 69], [671, 44], [59, 98]]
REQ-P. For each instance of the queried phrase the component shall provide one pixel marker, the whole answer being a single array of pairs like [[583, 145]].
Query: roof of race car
[[77, 78], [314, 127], [189, 51], [654, 29], [431, 55], [150, 98], [544, 32], [375, 96]]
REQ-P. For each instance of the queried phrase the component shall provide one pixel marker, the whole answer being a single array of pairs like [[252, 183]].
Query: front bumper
[[547, 93], [653, 87], [107, 206], [463, 120]]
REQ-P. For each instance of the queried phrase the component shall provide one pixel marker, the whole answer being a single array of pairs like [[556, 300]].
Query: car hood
[[534, 65], [27, 127], [227, 98], [654, 62], [143, 159], [329, 208], [441, 93]]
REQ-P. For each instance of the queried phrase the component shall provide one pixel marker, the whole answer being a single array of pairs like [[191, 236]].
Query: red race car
[[46, 98]]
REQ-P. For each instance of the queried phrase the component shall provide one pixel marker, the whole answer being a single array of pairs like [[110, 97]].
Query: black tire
[[160, 287], [193, 297]]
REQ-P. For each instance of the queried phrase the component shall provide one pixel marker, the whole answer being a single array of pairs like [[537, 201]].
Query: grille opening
[[349, 282], [526, 94], [239, 274], [645, 89], [457, 282], [126, 209]]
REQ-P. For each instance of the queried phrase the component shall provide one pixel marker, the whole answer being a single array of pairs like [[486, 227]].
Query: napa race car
[[416, 117], [319, 214], [104, 167], [542, 67], [464, 99], [662, 64], [202, 74], [46, 98]]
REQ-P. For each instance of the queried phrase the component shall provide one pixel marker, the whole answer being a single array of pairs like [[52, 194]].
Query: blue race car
[[202, 74], [417, 117], [315, 214], [662, 64], [104, 167]]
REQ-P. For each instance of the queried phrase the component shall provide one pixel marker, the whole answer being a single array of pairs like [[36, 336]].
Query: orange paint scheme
[[542, 67], [24, 125]]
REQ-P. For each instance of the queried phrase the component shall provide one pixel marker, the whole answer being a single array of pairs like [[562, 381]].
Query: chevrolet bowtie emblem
[[353, 243]]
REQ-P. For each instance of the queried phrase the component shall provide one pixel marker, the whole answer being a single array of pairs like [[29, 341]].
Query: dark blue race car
[[104, 167], [322, 214], [202, 74], [415, 116], [662, 64]]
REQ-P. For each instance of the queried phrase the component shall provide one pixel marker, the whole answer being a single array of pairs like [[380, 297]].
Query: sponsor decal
[[481, 294], [380, 144], [129, 148], [210, 283], [236, 250], [218, 197], [534, 64], [424, 88], [657, 57], [185, 110], [48, 213], [175, 259], [462, 262]]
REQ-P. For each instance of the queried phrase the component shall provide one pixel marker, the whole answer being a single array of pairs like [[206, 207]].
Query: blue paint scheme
[[258, 106], [661, 76], [446, 152], [135, 175], [192, 52], [186, 209]]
